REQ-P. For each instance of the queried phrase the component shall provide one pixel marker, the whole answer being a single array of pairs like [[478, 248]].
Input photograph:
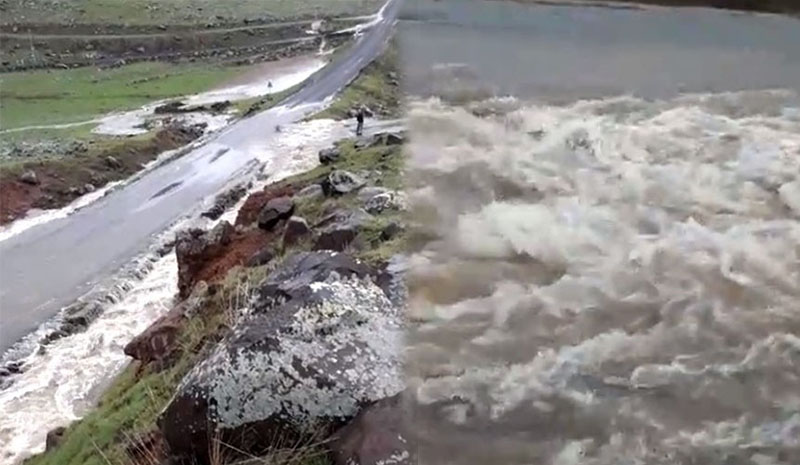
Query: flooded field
[[606, 274]]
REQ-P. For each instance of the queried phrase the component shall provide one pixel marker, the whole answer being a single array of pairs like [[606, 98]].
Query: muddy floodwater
[[607, 205]]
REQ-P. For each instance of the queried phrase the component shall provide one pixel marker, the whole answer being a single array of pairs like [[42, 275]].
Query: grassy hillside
[[144, 12], [66, 96]]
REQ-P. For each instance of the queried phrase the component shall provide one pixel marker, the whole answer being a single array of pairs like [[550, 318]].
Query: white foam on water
[[610, 278], [61, 385]]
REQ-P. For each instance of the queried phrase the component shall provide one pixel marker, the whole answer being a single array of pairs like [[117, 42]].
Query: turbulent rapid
[[612, 281]]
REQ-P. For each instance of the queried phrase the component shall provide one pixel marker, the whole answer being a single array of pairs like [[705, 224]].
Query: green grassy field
[[66, 96], [144, 12]]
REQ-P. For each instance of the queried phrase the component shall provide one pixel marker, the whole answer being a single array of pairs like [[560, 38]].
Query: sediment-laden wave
[[611, 281]]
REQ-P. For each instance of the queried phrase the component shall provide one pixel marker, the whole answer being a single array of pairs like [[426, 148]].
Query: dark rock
[[296, 370], [112, 162], [169, 107], [260, 258], [341, 182], [388, 200], [195, 247], [14, 368], [310, 192], [79, 315], [376, 436], [388, 138], [391, 231], [296, 229], [274, 211], [337, 230], [29, 177], [300, 270], [329, 155], [54, 438], [219, 107], [391, 279], [255, 202], [370, 192], [225, 200], [160, 339], [54, 336]]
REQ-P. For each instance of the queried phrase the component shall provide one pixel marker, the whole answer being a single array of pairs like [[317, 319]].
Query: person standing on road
[[360, 120]]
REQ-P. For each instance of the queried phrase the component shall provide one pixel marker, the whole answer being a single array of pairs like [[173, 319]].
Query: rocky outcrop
[[329, 155], [260, 258], [315, 347], [53, 438], [338, 230], [387, 200], [377, 436], [381, 139], [392, 230], [274, 211], [249, 212], [159, 340], [78, 315], [341, 182], [195, 247], [225, 200], [313, 191], [296, 229], [391, 278], [388, 138], [299, 271], [29, 177]]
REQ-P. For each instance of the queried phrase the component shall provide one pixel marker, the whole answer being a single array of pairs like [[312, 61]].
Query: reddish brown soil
[[242, 247], [58, 177], [253, 205]]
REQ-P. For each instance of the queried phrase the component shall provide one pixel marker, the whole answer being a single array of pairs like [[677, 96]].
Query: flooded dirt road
[[51, 264]]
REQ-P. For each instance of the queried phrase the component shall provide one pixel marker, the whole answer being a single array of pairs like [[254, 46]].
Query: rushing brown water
[[612, 281], [607, 264]]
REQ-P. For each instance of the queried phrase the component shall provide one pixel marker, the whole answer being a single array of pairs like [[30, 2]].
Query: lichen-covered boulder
[[314, 348]]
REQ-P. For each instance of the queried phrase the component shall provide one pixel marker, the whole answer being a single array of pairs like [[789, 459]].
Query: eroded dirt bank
[[48, 184]]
